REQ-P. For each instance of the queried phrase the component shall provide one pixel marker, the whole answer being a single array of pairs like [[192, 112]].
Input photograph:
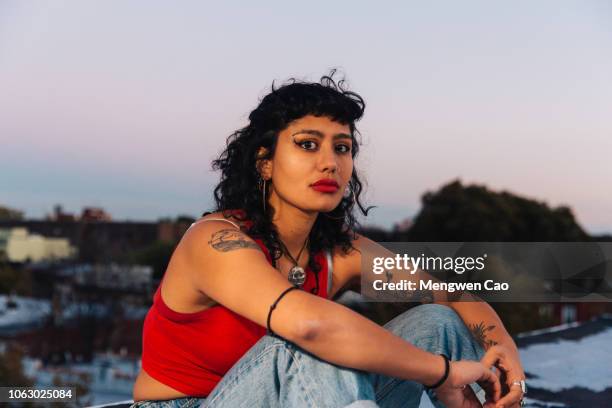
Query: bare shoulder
[[226, 217], [226, 265], [192, 260], [216, 232]]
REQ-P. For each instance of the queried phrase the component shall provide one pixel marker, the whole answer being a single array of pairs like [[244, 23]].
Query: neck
[[293, 224]]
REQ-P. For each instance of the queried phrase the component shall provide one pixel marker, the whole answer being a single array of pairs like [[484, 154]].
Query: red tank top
[[191, 352]]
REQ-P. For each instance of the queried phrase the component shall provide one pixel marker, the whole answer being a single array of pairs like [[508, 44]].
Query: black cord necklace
[[297, 275]]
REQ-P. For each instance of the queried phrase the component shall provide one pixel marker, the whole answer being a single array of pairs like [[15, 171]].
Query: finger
[[511, 398], [470, 397], [491, 357], [491, 385], [504, 374], [510, 368], [489, 390], [497, 372]]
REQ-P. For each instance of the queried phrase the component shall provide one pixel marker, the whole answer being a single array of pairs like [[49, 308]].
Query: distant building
[[88, 214], [18, 245], [61, 216], [172, 231], [567, 312], [95, 214], [104, 241], [112, 276]]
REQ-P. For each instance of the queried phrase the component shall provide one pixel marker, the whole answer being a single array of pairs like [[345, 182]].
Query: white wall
[[20, 246]]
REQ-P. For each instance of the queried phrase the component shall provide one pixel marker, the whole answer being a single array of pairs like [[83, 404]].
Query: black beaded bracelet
[[274, 307], [444, 377]]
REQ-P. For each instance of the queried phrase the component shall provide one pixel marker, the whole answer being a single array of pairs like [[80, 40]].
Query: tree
[[8, 279], [10, 214], [16, 281], [458, 213], [474, 213]]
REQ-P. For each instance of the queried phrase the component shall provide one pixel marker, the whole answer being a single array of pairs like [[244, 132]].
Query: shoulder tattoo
[[230, 239]]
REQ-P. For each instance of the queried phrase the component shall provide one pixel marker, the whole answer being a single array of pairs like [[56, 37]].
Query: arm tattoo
[[479, 331], [230, 240]]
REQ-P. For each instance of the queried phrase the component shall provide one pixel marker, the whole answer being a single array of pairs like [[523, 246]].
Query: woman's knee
[[438, 329], [427, 320], [440, 314], [277, 372], [319, 379], [289, 356], [431, 312]]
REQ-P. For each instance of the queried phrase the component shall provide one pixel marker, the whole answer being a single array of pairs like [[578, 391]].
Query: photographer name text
[[412, 264], [404, 284]]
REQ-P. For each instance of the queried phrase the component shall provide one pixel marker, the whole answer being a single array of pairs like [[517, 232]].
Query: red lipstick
[[325, 186]]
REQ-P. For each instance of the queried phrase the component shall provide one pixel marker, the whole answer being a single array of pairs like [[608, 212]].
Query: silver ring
[[522, 384]]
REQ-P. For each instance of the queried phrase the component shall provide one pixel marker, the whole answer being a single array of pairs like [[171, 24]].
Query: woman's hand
[[455, 393], [509, 370]]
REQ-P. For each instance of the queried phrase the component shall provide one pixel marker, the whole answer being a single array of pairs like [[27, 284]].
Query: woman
[[264, 259]]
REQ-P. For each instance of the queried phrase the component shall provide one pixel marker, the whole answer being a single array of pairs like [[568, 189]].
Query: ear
[[264, 166]]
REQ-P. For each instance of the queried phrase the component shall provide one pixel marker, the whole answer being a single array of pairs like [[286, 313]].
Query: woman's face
[[312, 164]]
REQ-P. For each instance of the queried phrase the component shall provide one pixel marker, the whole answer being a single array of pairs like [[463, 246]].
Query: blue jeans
[[277, 373]]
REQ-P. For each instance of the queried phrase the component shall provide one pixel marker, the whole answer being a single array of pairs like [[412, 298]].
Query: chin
[[322, 203], [312, 207], [328, 206]]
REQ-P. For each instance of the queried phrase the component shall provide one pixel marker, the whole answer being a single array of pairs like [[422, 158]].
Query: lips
[[325, 186]]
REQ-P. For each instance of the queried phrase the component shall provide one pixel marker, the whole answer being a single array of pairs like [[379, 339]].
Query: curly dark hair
[[239, 185]]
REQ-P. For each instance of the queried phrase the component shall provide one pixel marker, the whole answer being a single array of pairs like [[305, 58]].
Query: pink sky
[[124, 106]]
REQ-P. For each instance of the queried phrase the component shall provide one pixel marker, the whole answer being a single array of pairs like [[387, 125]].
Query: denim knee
[[426, 315], [445, 317], [436, 328], [277, 372], [441, 314]]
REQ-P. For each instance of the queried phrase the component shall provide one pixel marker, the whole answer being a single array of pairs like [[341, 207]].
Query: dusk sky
[[123, 104]]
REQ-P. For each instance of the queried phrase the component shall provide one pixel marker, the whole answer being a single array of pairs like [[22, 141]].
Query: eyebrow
[[320, 134]]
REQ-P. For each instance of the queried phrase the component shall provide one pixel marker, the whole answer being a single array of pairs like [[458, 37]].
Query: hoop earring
[[262, 186]]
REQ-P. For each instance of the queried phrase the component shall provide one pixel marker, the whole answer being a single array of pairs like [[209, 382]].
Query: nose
[[328, 161]]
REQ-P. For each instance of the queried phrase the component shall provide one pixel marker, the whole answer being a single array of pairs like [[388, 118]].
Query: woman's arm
[[479, 316], [484, 323], [229, 267]]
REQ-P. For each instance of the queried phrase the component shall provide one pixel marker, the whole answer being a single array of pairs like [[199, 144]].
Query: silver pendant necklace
[[297, 275]]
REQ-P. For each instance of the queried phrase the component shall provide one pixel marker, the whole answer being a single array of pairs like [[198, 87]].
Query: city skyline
[[122, 106], [393, 218]]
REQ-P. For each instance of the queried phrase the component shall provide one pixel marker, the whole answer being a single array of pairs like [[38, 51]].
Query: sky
[[123, 104]]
